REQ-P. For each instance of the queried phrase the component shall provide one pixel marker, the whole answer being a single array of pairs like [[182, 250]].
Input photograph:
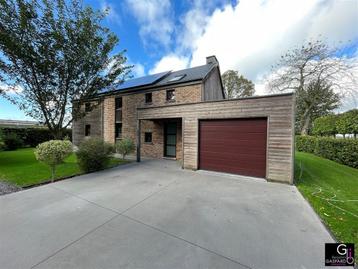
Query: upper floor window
[[87, 107], [170, 95], [87, 130], [118, 102], [148, 98]]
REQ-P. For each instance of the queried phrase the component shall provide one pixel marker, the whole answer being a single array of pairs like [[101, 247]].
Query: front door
[[170, 139]]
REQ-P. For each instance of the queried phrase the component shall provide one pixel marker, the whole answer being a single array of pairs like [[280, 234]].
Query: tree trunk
[[53, 173], [306, 124], [57, 133]]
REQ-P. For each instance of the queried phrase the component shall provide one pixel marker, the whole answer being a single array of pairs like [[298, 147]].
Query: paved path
[[156, 215]]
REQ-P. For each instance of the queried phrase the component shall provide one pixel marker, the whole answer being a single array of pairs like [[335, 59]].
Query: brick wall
[[108, 119], [187, 94], [93, 118], [130, 102]]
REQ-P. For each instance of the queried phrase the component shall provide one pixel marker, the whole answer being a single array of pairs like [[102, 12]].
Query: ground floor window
[[148, 137], [118, 130], [87, 130]]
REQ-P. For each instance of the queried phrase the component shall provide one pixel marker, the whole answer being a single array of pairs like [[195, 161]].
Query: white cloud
[[154, 17], [251, 35], [11, 89], [170, 62], [138, 70], [112, 14]]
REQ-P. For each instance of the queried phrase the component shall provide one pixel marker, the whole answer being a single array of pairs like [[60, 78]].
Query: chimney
[[211, 60]]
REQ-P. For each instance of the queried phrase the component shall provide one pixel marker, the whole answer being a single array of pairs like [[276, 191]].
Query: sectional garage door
[[234, 146]]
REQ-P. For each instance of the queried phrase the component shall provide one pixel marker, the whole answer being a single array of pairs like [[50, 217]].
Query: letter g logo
[[342, 249]]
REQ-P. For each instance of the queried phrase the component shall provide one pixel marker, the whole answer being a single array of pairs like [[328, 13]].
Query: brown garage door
[[234, 146]]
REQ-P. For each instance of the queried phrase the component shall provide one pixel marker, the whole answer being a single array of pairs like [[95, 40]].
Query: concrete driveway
[[156, 215]]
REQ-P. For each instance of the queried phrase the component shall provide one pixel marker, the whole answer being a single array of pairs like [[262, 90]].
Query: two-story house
[[184, 115]]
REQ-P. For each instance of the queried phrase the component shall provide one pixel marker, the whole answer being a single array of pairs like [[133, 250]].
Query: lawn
[[20, 167], [332, 190]]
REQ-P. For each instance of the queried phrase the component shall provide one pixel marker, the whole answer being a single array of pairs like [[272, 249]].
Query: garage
[[234, 146]]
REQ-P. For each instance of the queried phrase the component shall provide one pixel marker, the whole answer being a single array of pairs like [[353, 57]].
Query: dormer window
[[176, 78]]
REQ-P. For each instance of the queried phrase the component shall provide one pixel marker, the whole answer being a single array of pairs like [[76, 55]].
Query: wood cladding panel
[[279, 111]]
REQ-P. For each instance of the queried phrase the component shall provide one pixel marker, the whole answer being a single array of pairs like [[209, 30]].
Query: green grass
[[332, 190], [21, 168]]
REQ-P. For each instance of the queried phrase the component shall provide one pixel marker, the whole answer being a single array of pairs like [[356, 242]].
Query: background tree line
[[330, 125]]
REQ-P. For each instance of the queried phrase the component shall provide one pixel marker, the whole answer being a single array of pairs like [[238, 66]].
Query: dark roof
[[164, 78]]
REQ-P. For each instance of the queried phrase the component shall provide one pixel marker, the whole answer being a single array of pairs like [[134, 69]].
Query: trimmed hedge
[[344, 151], [33, 136]]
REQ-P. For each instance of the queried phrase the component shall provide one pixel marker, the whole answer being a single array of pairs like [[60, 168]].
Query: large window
[[87, 107], [148, 137], [87, 130], [170, 95], [118, 102], [118, 118], [118, 130], [148, 98]]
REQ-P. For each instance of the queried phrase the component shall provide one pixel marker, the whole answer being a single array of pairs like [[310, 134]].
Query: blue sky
[[248, 35]]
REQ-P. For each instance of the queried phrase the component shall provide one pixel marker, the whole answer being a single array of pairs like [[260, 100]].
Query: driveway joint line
[[73, 242], [84, 199], [97, 227], [135, 220], [148, 197], [182, 239]]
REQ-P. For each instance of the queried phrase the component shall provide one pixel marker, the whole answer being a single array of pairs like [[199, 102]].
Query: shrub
[[93, 154], [53, 153], [12, 141], [305, 143], [125, 147], [344, 151], [2, 143], [34, 136]]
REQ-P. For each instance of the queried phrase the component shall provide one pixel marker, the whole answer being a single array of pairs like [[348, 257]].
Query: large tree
[[54, 52], [236, 85], [314, 100], [313, 68]]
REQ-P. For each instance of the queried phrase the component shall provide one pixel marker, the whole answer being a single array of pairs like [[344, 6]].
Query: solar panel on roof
[[142, 81], [136, 82]]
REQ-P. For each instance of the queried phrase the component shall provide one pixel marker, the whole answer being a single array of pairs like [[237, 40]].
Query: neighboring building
[[19, 124], [184, 115]]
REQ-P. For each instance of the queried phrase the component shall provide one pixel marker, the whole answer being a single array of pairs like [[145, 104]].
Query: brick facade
[[93, 118], [108, 119], [103, 119]]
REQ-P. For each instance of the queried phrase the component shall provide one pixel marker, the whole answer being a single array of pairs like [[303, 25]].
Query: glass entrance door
[[170, 139]]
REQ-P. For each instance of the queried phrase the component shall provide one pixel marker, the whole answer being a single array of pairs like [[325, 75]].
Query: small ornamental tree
[[125, 147], [53, 153]]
